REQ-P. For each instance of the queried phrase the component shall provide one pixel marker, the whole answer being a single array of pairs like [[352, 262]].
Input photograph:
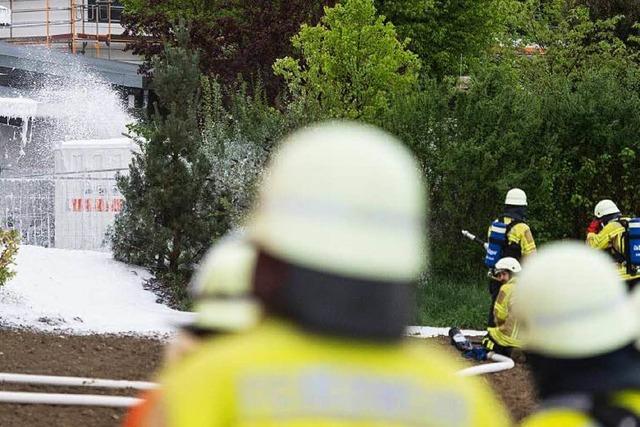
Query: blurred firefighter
[[339, 226], [223, 303], [503, 337], [509, 236], [222, 293], [578, 326], [619, 237]]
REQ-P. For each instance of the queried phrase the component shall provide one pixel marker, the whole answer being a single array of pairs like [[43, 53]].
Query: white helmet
[[222, 287], [572, 304], [516, 197], [508, 264], [605, 207], [344, 198]]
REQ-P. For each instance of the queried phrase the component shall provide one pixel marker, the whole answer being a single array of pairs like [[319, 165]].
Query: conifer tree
[[169, 217]]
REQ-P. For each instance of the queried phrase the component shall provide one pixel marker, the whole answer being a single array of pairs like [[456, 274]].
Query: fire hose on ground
[[67, 399], [500, 363], [70, 399], [54, 380]]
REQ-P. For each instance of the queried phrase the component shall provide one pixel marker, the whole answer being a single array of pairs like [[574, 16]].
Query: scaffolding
[[73, 24]]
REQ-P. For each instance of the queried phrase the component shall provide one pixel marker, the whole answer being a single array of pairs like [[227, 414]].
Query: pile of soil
[[136, 358]]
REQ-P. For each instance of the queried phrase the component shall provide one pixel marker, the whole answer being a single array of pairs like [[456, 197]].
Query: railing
[[27, 205], [48, 20]]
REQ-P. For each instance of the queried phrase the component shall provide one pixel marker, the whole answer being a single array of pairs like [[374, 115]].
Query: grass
[[453, 301]]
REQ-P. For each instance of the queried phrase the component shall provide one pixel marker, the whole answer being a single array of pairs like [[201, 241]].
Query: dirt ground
[[514, 387], [134, 358], [97, 356]]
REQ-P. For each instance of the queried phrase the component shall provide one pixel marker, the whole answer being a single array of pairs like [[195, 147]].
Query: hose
[[500, 363], [73, 381], [473, 237], [67, 399]]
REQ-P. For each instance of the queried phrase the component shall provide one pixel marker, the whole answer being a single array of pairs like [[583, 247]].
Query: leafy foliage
[[627, 10], [562, 126], [234, 37], [237, 137], [352, 64], [9, 241], [447, 35]]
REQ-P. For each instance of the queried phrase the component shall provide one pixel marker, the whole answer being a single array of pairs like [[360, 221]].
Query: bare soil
[[97, 356], [136, 358], [514, 387]]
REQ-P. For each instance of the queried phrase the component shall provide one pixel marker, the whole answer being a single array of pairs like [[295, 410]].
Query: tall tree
[[351, 64], [234, 36], [170, 215]]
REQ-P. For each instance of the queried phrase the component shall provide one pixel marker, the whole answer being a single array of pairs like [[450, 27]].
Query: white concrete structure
[[5, 16], [86, 199]]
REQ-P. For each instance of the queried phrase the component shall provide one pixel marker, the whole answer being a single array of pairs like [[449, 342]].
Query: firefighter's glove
[[594, 226], [477, 353]]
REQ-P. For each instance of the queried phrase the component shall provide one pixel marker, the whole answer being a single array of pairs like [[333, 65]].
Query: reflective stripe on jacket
[[520, 234], [505, 333], [278, 375], [610, 239]]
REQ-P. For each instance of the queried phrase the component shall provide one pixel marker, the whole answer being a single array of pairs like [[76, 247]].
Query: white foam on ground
[[86, 292], [81, 292]]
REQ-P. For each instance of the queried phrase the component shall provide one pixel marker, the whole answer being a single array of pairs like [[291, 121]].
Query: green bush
[[239, 129], [9, 242], [568, 137]]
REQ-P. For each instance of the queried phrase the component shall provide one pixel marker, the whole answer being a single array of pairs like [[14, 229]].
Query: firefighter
[[223, 303], [340, 231], [517, 241], [609, 231], [503, 337], [578, 327], [222, 293]]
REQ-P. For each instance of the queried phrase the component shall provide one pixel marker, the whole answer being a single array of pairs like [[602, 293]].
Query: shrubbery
[[563, 125], [9, 243]]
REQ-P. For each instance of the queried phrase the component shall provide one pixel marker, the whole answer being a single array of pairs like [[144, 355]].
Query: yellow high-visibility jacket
[[570, 417], [280, 376], [519, 234], [610, 239], [505, 332]]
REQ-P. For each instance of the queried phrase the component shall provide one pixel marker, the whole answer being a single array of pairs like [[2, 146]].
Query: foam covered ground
[[86, 292], [81, 292]]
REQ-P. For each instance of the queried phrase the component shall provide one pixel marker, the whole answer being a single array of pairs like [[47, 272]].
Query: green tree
[[627, 10], [447, 35], [170, 215], [351, 64], [237, 37]]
